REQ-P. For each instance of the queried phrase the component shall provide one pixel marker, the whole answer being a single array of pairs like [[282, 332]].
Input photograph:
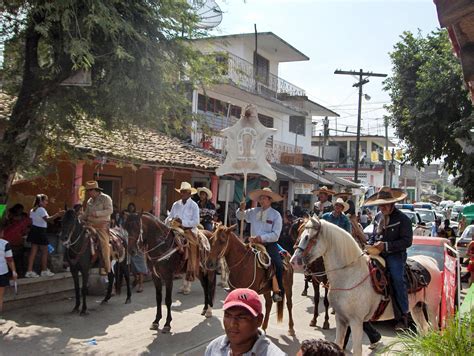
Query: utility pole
[[325, 142], [385, 121], [392, 167], [359, 85]]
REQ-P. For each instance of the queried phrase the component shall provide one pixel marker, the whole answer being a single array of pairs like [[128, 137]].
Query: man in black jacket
[[392, 236]]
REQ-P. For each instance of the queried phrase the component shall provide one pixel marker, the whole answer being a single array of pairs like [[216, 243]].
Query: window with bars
[[261, 67], [298, 125]]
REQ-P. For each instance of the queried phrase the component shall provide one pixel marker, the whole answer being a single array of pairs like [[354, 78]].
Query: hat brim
[[205, 190], [255, 195], [344, 204], [326, 191], [342, 194], [374, 200], [241, 305], [192, 190]]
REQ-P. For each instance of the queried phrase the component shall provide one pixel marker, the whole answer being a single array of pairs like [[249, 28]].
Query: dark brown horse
[[245, 272], [314, 273], [161, 249]]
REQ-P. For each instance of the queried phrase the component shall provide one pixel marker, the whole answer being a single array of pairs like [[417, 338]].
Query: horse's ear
[[232, 227]]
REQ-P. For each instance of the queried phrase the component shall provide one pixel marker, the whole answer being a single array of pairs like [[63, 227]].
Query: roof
[[145, 146], [268, 42], [298, 174], [311, 107], [338, 180]]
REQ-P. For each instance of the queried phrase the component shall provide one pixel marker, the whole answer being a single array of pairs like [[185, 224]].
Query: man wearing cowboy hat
[[337, 216], [99, 208], [207, 209], [265, 228], [392, 236], [185, 211], [323, 205]]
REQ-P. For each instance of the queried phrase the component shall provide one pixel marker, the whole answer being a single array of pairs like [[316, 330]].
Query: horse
[[350, 290], [77, 236], [161, 249], [244, 271], [317, 276]]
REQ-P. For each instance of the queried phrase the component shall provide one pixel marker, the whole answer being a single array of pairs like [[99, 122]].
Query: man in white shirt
[[185, 213]]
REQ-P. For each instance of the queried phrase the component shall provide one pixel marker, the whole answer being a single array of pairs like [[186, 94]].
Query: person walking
[[37, 235], [265, 228], [207, 209], [392, 236], [6, 260], [99, 209]]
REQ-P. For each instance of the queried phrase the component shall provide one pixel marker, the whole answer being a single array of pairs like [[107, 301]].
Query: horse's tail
[[280, 306]]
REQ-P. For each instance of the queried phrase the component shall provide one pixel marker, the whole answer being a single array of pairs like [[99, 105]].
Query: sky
[[335, 34]]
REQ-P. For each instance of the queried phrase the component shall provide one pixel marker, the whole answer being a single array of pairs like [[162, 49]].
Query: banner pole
[[244, 200]]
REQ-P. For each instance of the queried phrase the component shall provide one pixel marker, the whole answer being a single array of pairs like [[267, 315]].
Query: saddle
[[118, 239], [264, 262]]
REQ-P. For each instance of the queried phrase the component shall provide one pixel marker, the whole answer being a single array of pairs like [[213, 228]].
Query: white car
[[419, 227], [464, 240], [428, 216]]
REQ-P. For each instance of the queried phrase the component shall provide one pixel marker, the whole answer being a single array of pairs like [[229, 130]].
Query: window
[[261, 67], [267, 121], [298, 125]]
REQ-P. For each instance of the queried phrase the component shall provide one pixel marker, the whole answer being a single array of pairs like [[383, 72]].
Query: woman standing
[[37, 236]]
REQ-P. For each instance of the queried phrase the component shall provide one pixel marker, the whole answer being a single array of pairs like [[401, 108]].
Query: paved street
[[124, 329]]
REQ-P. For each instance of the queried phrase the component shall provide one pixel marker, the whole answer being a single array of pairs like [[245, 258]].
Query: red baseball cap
[[245, 298]]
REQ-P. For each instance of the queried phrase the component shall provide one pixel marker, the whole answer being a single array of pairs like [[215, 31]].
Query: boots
[[402, 324]]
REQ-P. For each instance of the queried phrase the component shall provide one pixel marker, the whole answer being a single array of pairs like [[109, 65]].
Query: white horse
[[350, 290]]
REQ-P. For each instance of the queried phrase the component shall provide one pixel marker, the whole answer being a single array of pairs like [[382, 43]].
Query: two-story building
[[249, 64]]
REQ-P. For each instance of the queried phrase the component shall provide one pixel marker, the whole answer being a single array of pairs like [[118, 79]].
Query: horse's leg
[[341, 329], [357, 334], [433, 313], [110, 285], [85, 286], [304, 293], [158, 284], [211, 285], [204, 284], [419, 319], [126, 272], [77, 288], [326, 308], [268, 308], [289, 303], [315, 301], [169, 289]]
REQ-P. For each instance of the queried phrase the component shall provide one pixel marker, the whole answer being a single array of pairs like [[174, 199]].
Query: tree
[[136, 53], [430, 105]]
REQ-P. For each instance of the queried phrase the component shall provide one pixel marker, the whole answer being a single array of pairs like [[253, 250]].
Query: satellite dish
[[208, 12]]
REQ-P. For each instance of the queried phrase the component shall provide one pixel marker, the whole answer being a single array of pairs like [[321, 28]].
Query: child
[[6, 259]]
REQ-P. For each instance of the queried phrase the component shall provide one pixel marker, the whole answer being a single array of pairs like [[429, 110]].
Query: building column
[[157, 196], [214, 188], [78, 173]]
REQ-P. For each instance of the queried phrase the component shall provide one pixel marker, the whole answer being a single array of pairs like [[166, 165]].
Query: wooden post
[[78, 173], [214, 188], [157, 195], [244, 200]]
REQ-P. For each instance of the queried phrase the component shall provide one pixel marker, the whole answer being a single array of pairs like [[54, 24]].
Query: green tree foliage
[[430, 105], [137, 53]]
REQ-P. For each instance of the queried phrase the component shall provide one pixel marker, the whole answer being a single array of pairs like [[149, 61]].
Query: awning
[[299, 174], [340, 181]]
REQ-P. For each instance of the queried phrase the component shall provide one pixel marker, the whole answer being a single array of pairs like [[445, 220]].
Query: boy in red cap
[[242, 318]]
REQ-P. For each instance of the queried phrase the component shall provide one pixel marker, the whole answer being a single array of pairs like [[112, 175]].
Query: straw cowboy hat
[[343, 203], [323, 190], [92, 184], [346, 193], [186, 186], [386, 195], [205, 190], [254, 195]]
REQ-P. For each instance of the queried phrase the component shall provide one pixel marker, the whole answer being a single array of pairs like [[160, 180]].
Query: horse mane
[[343, 242]]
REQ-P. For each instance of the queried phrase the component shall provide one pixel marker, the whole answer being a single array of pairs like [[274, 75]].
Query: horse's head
[[68, 223], [219, 245], [133, 225], [309, 247]]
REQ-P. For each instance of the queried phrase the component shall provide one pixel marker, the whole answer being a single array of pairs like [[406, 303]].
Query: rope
[[358, 284], [254, 275]]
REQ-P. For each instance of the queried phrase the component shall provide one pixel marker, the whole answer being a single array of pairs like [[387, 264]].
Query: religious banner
[[449, 288], [246, 146]]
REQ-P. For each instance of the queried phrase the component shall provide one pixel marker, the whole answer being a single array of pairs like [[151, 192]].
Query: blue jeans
[[207, 226], [396, 268], [274, 252]]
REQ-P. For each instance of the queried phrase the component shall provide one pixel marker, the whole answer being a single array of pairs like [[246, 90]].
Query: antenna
[[208, 12]]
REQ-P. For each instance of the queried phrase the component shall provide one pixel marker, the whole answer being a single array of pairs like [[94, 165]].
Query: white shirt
[[5, 251], [264, 223], [188, 213], [37, 217]]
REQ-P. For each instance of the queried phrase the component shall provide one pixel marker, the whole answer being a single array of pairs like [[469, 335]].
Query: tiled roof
[[133, 145]]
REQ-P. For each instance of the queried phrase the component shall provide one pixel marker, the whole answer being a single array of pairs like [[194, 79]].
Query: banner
[[449, 288]]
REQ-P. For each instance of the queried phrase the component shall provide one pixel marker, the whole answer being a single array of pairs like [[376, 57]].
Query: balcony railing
[[241, 73]]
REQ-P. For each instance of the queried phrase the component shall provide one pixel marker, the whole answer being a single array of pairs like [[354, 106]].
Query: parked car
[[429, 246], [419, 227], [428, 216], [455, 212], [464, 240]]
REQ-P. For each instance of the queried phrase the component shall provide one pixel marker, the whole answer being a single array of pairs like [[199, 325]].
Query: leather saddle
[[118, 241]]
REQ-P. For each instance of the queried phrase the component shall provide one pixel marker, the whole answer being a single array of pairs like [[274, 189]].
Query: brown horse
[[245, 272], [314, 273], [161, 249]]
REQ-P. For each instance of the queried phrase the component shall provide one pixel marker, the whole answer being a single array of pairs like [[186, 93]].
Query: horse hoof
[[166, 329], [154, 326], [304, 293], [84, 313], [291, 332], [326, 325], [204, 312], [128, 301], [208, 313], [75, 310], [105, 301], [313, 323]]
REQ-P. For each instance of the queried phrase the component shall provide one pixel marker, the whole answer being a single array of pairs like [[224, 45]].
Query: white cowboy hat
[[323, 190], [92, 184], [340, 201], [186, 186], [386, 195], [254, 195], [205, 190]]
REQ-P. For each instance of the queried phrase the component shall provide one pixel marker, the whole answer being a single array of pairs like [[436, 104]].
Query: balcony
[[242, 74]]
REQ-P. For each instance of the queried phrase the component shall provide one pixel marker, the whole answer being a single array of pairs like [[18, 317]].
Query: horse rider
[[393, 234], [265, 225], [185, 212], [207, 209], [99, 208], [323, 205], [337, 217]]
